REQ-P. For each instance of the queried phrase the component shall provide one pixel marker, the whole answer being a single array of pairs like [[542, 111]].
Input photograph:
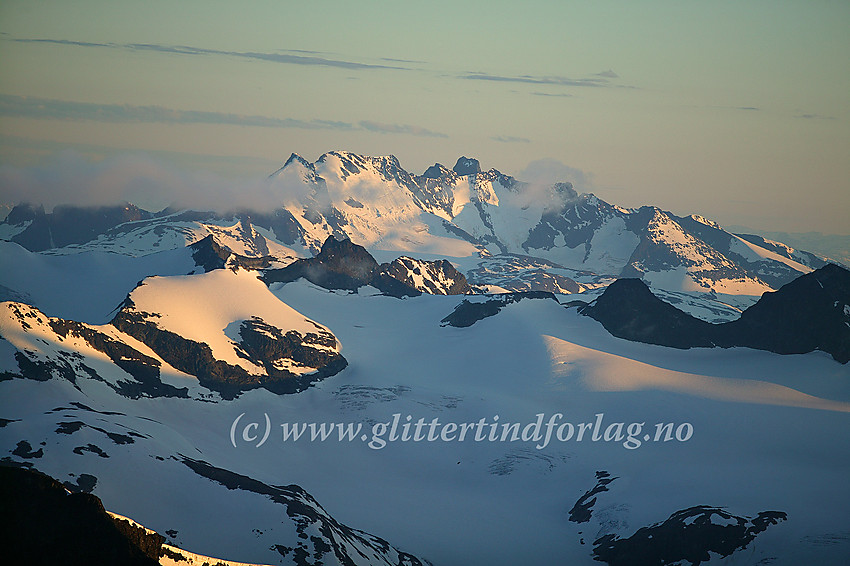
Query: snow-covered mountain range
[[462, 212], [688, 377]]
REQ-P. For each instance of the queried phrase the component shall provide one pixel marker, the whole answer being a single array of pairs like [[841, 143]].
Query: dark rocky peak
[[295, 158], [628, 309], [436, 171], [467, 166], [24, 212], [209, 254], [342, 264], [810, 313], [67, 224], [344, 256], [43, 524]]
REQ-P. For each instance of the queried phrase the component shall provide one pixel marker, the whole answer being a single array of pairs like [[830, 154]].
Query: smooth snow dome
[[210, 307]]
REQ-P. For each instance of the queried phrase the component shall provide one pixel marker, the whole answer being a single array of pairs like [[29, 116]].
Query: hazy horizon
[[734, 111]]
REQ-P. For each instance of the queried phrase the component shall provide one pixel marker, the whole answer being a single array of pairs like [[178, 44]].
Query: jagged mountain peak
[[467, 166], [295, 158], [437, 171], [349, 159], [458, 212], [704, 220]]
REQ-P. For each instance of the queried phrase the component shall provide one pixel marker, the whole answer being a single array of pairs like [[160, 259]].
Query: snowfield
[[759, 421], [153, 367]]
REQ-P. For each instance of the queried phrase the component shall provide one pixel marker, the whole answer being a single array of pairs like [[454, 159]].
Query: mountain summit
[[484, 220]]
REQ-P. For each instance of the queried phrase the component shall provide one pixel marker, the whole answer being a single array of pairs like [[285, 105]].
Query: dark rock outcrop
[[583, 508], [467, 166], [68, 224], [468, 313], [70, 365], [342, 264], [336, 540], [433, 277], [261, 344], [43, 524], [687, 535], [209, 254], [628, 309], [810, 313]]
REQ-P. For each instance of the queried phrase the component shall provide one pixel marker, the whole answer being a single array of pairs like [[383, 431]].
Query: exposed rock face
[[342, 264], [282, 360], [209, 254], [59, 355], [338, 541], [810, 313], [687, 535], [432, 277], [628, 309], [68, 224], [468, 313], [339, 265], [43, 524], [281, 353], [467, 166], [583, 508]]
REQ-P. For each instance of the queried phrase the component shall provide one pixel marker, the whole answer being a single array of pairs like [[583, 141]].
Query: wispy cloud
[[557, 94], [394, 60], [399, 129], [609, 74], [545, 172], [69, 177], [285, 57], [46, 108], [749, 108], [510, 139], [547, 80], [815, 117]]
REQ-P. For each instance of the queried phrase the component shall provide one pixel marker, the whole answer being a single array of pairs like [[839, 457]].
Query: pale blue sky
[[734, 110]]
